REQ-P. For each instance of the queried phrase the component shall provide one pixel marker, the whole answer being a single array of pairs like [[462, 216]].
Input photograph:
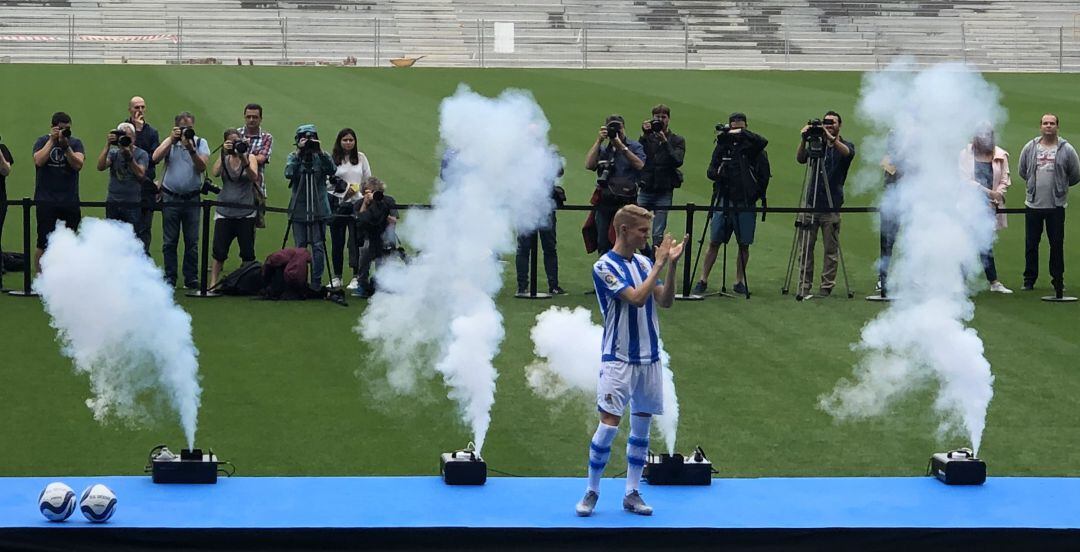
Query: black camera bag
[[246, 280], [620, 190]]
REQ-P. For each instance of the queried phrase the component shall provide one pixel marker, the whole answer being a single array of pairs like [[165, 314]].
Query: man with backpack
[[740, 173]]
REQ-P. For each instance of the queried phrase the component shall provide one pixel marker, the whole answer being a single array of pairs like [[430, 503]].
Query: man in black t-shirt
[[58, 158], [5, 169]]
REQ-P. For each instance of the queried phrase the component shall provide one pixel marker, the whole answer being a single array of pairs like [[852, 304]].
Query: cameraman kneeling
[[376, 213], [307, 170], [239, 172]]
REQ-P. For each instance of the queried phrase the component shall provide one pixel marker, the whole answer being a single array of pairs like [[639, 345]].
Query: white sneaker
[[999, 287], [354, 283], [335, 282]]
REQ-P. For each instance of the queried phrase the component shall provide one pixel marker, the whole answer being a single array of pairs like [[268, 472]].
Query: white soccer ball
[[56, 502], [98, 503]]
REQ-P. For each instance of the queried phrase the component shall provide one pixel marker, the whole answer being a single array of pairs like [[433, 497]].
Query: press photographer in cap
[[307, 170], [618, 162], [740, 173], [127, 165]]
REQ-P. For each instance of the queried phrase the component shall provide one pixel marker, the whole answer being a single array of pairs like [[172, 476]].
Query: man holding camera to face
[[58, 158], [185, 156], [664, 154], [821, 141], [239, 172], [618, 162], [127, 165], [307, 170]]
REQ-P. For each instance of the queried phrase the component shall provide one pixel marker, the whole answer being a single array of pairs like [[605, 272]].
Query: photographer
[[618, 166], [548, 242], [664, 154], [239, 172], [58, 158], [6, 160], [354, 170], [376, 213], [146, 139], [185, 156], [740, 173], [127, 165], [824, 193], [307, 170]]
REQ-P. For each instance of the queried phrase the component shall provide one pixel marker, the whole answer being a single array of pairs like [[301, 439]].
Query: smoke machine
[[957, 467], [191, 466], [463, 467], [676, 469]]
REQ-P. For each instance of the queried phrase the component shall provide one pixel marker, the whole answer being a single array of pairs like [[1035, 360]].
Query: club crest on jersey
[[609, 279]]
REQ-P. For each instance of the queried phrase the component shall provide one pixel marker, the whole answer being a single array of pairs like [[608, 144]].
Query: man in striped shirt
[[629, 289]]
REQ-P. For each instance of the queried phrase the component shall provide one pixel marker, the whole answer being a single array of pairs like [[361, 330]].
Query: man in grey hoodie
[[1050, 165]]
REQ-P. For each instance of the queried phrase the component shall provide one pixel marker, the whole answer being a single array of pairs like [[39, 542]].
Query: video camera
[[311, 144], [120, 138], [814, 137]]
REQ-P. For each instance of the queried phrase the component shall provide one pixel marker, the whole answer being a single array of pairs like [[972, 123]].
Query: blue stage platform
[[388, 506]]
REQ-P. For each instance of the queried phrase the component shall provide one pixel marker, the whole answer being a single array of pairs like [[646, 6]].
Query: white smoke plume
[[567, 346], [437, 310], [945, 222], [116, 319]]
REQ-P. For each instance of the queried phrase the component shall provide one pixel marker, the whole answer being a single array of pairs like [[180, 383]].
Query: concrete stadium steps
[[725, 33]]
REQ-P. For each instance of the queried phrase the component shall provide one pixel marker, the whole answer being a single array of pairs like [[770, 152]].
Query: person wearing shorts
[[629, 290]]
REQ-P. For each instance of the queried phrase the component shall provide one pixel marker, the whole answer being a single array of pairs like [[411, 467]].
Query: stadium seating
[[1006, 35]]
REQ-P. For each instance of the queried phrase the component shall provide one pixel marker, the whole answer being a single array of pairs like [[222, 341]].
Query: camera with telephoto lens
[[122, 139], [613, 129], [723, 128], [656, 125], [240, 147], [66, 133], [814, 137], [603, 171], [208, 187]]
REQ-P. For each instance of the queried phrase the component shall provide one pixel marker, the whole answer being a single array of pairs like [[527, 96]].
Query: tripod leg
[[705, 230], [843, 267], [723, 272]]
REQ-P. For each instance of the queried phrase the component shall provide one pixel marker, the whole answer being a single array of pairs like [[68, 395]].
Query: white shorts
[[639, 385]]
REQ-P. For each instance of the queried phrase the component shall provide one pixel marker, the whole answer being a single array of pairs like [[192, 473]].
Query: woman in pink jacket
[[987, 166]]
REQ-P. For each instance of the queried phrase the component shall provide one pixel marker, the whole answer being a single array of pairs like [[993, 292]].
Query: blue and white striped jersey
[[631, 334]]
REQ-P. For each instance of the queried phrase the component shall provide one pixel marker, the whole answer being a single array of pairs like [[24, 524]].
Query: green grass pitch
[[280, 392]]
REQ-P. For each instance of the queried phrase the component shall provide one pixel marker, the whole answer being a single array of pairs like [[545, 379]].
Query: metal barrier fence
[[686, 42], [26, 205]]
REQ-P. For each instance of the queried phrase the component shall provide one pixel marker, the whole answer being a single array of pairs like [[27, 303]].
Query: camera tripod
[[805, 223], [311, 220], [729, 211]]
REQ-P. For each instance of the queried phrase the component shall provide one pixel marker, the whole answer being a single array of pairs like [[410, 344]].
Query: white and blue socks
[[599, 452], [637, 448]]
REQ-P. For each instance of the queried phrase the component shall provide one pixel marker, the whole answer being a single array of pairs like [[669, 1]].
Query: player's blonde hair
[[629, 214]]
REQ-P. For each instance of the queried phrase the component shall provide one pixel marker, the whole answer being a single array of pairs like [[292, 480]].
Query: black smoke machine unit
[[191, 466], [463, 467], [957, 467], [676, 469]]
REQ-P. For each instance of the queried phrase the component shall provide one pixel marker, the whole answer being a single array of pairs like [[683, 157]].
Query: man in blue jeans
[[185, 156], [664, 154]]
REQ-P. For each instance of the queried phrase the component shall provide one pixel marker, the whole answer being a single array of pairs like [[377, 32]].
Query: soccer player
[[629, 289]]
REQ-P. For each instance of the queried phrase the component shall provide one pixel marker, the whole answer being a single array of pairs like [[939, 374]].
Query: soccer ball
[[56, 502], [98, 503]]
